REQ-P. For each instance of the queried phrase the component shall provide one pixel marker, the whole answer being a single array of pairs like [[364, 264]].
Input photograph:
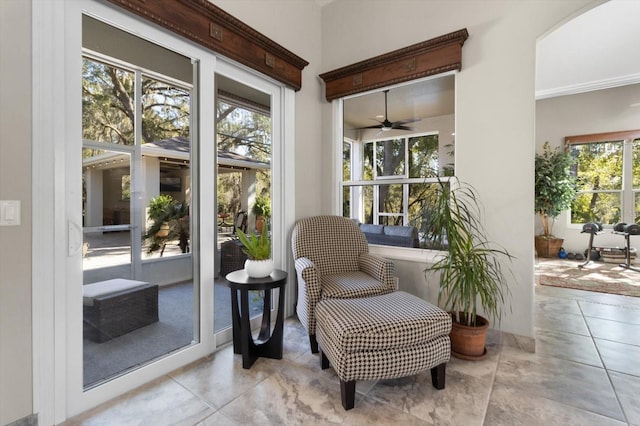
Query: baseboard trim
[[30, 420]]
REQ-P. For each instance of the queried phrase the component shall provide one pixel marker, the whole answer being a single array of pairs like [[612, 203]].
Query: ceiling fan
[[387, 125]]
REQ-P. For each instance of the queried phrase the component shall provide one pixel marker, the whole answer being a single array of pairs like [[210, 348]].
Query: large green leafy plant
[[172, 215], [555, 186], [471, 270]]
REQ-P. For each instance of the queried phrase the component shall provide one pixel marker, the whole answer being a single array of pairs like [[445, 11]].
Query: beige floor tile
[[571, 383], [561, 321], [614, 330], [569, 346], [512, 407], [619, 357], [628, 390], [622, 313], [161, 402]]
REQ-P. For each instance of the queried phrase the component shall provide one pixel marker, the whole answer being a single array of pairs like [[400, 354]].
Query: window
[[390, 168], [608, 174]]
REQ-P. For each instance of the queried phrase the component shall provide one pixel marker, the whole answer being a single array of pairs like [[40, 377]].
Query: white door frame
[[56, 55]]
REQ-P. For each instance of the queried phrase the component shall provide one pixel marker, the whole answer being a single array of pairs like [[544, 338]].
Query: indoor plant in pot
[[258, 250], [555, 189], [471, 269]]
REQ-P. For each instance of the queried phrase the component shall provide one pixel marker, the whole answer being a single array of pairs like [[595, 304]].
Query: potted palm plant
[[471, 272], [170, 221], [258, 250], [555, 189]]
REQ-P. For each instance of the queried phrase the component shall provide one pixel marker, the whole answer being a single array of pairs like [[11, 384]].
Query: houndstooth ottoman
[[382, 337]]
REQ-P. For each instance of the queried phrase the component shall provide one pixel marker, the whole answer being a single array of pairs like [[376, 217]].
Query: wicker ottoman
[[115, 307], [382, 337]]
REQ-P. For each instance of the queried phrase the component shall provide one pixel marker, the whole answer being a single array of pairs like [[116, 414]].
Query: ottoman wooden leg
[[324, 361], [348, 393], [437, 376]]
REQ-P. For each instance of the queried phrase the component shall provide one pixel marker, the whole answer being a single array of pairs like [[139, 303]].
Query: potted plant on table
[[258, 250], [555, 190], [471, 270]]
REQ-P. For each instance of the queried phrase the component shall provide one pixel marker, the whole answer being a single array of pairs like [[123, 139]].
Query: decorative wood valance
[[213, 28], [435, 56], [625, 135]]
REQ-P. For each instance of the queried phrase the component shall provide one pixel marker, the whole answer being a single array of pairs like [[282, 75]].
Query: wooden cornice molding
[[625, 135], [435, 56], [211, 27]]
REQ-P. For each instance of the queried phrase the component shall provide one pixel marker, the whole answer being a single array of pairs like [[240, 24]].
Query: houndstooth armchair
[[332, 260]]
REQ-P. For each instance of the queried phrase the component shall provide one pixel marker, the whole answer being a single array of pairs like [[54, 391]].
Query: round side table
[[268, 345]]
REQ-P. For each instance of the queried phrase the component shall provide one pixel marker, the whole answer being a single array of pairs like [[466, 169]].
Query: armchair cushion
[[352, 284]]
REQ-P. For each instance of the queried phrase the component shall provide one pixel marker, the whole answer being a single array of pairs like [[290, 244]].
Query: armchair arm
[[309, 289], [378, 267]]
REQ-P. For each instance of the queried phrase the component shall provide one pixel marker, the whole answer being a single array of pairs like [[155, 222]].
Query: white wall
[[601, 111], [15, 184], [495, 103]]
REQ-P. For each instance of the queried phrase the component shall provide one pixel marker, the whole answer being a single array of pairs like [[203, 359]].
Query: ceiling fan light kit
[[387, 125]]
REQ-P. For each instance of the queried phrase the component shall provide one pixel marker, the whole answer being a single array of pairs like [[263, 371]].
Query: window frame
[[356, 165], [628, 193]]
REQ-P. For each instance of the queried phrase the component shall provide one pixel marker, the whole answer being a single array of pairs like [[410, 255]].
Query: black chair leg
[[437, 376], [314, 343], [348, 393]]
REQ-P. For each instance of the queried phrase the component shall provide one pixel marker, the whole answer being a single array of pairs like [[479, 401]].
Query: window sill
[[405, 253]]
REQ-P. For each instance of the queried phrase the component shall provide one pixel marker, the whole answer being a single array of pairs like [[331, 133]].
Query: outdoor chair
[[240, 222], [332, 261]]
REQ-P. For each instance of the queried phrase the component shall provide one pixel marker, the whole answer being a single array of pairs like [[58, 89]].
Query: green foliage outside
[[423, 161], [599, 179], [174, 216]]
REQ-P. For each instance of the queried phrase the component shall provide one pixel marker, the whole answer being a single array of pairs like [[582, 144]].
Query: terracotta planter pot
[[548, 247], [469, 342], [164, 230]]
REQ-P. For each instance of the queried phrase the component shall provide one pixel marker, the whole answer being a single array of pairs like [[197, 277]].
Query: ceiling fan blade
[[378, 126], [407, 120], [401, 127]]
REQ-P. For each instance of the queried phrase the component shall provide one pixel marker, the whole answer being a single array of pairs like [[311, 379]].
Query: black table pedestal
[[268, 344]]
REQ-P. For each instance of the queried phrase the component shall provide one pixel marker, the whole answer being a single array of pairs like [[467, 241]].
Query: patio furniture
[[382, 337], [332, 261], [240, 222], [232, 257], [118, 306]]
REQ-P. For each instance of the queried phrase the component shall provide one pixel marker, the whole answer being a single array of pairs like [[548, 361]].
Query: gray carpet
[[173, 331]]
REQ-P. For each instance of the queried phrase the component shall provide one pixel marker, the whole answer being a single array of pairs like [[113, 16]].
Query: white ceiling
[[598, 49]]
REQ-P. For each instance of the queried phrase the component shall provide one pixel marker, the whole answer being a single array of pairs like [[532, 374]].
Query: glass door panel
[[140, 293], [244, 149]]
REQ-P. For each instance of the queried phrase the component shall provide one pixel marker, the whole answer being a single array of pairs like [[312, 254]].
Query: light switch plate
[[9, 212]]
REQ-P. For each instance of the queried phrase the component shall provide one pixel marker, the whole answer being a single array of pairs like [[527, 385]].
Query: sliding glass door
[[140, 297]]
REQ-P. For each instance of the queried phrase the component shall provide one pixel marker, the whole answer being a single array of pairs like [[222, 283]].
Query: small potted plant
[[470, 268], [262, 211], [258, 250], [555, 190]]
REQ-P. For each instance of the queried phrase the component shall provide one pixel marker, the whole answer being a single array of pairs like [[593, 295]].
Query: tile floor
[[586, 371]]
